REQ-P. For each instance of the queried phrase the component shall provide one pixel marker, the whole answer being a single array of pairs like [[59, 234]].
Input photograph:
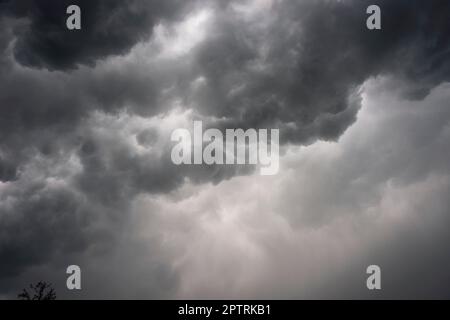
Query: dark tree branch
[[40, 291]]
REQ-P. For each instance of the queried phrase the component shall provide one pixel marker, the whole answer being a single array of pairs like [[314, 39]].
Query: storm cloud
[[109, 28], [86, 118]]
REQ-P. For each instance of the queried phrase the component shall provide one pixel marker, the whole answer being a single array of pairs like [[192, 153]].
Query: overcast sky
[[86, 176]]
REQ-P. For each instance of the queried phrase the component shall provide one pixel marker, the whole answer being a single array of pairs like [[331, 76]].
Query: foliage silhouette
[[41, 291]]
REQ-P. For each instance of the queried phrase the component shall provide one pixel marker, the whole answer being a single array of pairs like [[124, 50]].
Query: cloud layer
[[85, 123]]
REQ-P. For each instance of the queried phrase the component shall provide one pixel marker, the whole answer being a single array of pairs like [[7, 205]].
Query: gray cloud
[[80, 139], [108, 28], [301, 62]]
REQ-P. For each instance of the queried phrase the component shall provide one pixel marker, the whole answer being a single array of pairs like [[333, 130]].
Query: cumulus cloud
[[85, 127], [109, 28]]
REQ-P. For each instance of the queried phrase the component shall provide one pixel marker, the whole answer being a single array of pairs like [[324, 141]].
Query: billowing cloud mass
[[86, 176]]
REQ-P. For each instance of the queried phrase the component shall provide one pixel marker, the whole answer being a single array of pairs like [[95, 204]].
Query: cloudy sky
[[86, 176]]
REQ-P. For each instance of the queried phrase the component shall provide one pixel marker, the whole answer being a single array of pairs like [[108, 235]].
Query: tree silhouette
[[41, 291]]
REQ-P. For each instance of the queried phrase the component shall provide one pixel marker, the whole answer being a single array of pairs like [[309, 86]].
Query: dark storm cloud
[[109, 160], [298, 67], [38, 224], [108, 28]]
